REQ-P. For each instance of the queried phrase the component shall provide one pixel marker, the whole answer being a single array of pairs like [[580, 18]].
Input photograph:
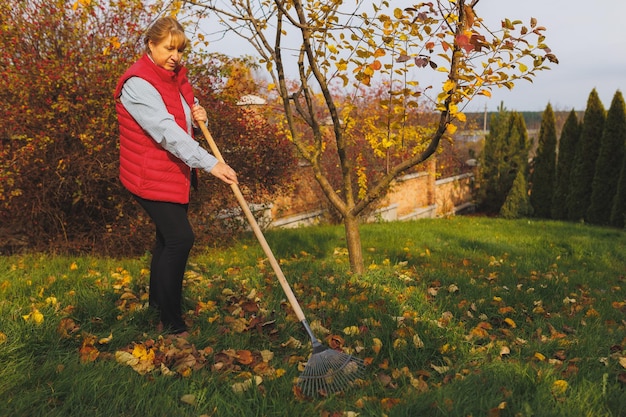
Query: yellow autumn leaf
[[332, 48], [341, 65], [448, 85], [399, 343], [377, 345], [240, 387], [165, 371], [140, 351], [105, 340], [440, 369], [73, 266], [450, 129], [267, 355], [622, 361], [318, 328], [510, 322], [292, 343], [34, 316], [351, 331], [3, 338], [559, 387], [417, 342], [539, 356], [126, 358], [188, 399]]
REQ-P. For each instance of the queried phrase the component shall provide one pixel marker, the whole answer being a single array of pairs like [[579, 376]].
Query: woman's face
[[165, 54]]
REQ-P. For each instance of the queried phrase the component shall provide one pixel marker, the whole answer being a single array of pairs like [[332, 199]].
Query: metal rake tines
[[329, 371]]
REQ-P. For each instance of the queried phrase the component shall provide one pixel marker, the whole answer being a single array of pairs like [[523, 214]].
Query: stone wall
[[411, 196]]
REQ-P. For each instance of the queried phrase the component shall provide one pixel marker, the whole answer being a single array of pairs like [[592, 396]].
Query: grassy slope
[[441, 305]]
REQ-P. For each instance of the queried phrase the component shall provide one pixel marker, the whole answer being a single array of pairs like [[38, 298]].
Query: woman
[[156, 111]]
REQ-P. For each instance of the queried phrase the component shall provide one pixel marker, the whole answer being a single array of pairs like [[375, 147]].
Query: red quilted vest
[[146, 169]]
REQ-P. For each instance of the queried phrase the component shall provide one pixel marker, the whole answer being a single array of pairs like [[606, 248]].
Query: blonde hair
[[164, 27]]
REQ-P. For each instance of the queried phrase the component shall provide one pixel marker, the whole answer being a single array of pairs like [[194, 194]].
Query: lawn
[[465, 316]]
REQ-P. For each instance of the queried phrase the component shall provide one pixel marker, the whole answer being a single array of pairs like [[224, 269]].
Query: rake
[[327, 370]]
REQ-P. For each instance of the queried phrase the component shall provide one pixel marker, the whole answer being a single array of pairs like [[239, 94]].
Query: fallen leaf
[[67, 327], [559, 387], [335, 341], [376, 345], [417, 342], [317, 328], [126, 358], [267, 355], [188, 399], [510, 322], [389, 403], [240, 387], [419, 384], [384, 379], [292, 343], [440, 369], [34, 316], [351, 331], [105, 340], [244, 357]]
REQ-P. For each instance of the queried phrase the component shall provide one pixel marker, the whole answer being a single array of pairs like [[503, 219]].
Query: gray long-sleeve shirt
[[146, 106]]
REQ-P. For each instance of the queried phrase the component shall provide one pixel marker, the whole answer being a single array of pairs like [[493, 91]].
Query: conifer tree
[[565, 157], [609, 163], [506, 152], [544, 167], [618, 213], [517, 203], [490, 196], [584, 167]]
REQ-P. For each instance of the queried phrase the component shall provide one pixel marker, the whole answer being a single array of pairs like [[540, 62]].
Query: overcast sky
[[588, 37]]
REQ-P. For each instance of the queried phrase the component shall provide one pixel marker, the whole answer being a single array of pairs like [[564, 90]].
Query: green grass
[[458, 317]]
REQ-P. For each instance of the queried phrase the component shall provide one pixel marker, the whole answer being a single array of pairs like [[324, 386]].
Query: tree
[[59, 187], [609, 163], [505, 154], [517, 203], [543, 175], [584, 167], [618, 212], [567, 149], [330, 44]]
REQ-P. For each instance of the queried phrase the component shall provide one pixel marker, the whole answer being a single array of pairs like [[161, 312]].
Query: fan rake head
[[328, 371]]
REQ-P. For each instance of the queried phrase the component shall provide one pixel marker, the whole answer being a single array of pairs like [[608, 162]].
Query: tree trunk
[[353, 240]]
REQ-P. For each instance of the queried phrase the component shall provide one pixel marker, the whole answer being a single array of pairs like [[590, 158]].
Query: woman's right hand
[[225, 173]]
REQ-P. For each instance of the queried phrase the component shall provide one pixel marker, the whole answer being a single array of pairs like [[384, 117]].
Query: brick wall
[[410, 196]]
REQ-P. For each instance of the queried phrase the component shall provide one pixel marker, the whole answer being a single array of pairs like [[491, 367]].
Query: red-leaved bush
[[59, 187]]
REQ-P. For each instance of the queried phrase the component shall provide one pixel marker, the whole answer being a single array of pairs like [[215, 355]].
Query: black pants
[[174, 239]]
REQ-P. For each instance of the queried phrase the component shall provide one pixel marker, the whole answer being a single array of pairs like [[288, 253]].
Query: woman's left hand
[[199, 114]]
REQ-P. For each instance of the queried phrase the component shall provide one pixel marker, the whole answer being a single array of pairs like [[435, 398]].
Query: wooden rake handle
[[257, 230]]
